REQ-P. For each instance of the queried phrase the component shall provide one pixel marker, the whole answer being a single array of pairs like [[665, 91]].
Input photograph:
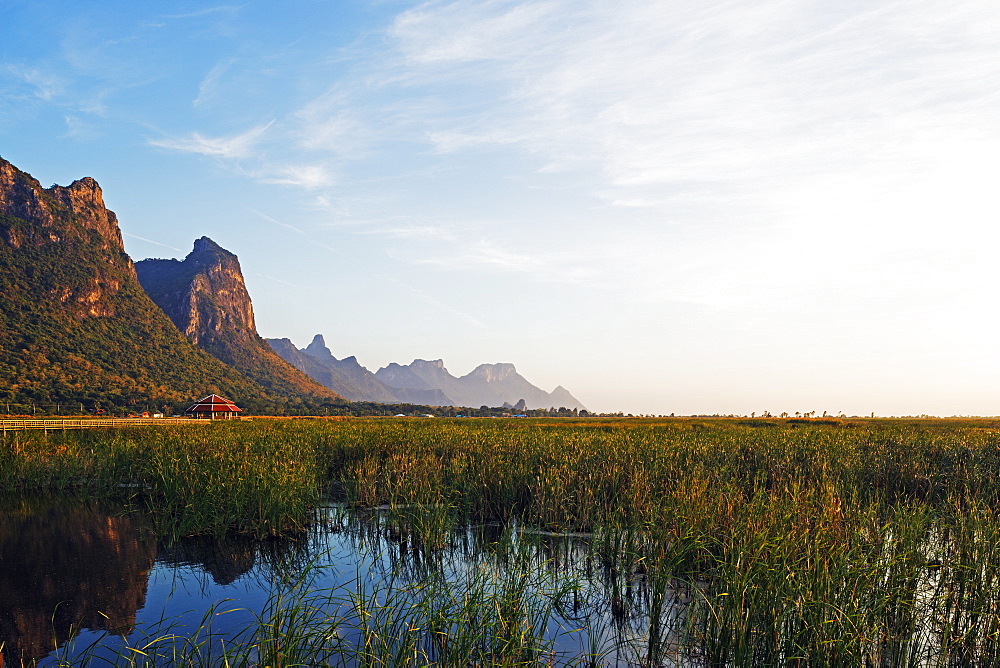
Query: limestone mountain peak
[[318, 344], [204, 246], [317, 348], [204, 294], [63, 218]]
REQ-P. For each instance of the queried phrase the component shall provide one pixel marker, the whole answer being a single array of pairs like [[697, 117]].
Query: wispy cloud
[[432, 232], [712, 97], [330, 123], [438, 304], [276, 280], [489, 256], [219, 9], [466, 32], [44, 85], [279, 223], [232, 147], [208, 86], [78, 128], [150, 241], [312, 240], [310, 177]]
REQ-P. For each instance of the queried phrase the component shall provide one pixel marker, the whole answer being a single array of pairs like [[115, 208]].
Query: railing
[[62, 424]]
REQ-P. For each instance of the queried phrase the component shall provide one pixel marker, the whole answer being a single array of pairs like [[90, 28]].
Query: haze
[[716, 207]]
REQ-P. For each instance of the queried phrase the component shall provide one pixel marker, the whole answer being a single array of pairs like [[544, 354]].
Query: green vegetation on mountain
[[52, 350]]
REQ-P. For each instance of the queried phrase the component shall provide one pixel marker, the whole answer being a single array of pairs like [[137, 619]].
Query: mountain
[[486, 385], [348, 377], [426, 375], [76, 325], [360, 384], [81, 324], [287, 351], [561, 397], [206, 298], [345, 377], [398, 375]]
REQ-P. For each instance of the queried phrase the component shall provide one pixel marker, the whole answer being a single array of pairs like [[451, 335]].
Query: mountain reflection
[[70, 564], [225, 561], [64, 567]]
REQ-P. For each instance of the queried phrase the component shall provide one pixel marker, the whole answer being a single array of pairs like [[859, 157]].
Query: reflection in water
[[64, 566], [224, 561], [68, 566], [79, 577], [77, 573]]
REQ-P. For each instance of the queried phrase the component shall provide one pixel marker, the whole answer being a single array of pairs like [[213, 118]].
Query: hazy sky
[[665, 206]]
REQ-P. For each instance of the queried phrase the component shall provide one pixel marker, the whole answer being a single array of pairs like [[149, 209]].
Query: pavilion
[[214, 407]]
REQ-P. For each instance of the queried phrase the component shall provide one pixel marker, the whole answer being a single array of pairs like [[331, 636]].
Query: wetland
[[502, 542]]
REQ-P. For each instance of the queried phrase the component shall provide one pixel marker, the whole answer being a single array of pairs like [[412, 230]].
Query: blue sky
[[709, 207]]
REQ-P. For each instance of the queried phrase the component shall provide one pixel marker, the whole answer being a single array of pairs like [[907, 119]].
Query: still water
[[83, 580]]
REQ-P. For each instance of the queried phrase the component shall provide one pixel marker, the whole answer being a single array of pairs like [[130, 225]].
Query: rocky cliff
[[60, 216], [204, 295], [58, 212], [75, 325], [206, 298]]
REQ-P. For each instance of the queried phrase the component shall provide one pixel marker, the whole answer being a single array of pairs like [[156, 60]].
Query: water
[[81, 580]]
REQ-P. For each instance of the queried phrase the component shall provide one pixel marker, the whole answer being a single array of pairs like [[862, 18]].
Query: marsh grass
[[841, 543]]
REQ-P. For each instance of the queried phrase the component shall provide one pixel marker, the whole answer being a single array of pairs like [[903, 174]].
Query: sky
[[665, 206]]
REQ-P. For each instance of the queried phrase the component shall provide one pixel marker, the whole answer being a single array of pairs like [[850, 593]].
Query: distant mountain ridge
[[486, 385], [420, 382], [347, 377], [362, 382]]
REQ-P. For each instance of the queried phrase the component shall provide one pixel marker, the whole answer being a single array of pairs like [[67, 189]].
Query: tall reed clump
[[211, 479], [244, 479]]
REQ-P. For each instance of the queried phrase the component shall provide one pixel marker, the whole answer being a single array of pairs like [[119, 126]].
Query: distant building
[[214, 407]]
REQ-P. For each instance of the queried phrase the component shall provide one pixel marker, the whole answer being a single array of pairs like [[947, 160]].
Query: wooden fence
[[63, 424]]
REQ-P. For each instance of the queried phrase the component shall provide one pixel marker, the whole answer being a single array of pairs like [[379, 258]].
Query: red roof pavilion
[[214, 407]]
